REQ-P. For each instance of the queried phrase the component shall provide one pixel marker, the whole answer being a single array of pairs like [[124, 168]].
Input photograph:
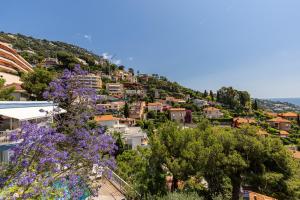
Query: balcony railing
[[119, 183], [5, 137]]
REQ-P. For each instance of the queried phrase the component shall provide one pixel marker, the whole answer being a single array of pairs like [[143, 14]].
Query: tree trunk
[[236, 182], [174, 184]]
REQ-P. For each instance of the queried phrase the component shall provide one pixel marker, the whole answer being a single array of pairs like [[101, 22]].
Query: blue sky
[[252, 45]]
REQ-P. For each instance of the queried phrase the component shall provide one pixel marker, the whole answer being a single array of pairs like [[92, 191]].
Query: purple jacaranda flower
[[63, 152]]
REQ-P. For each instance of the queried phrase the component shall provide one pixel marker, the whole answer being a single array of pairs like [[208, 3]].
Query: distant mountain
[[295, 101], [279, 105]]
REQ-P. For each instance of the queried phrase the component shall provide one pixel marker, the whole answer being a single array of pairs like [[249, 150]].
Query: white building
[[13, 113], [133, 136], [108, 121], [91, 81]]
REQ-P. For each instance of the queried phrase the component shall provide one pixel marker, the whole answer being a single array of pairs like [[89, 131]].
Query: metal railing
[[119, 183]]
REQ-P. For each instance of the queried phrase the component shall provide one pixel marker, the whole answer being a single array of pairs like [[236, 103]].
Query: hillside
[[36, 50]]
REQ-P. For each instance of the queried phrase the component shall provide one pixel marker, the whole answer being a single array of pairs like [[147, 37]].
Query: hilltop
[[36, 51]]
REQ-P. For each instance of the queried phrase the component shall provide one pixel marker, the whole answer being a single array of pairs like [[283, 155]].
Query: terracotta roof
[[241, 120], [271, 114], [102, 118], [279, 120], [211, 109], [282, 132], [155, 104], [177, 109], [257, 196], [262, 132], [18, 87], [288, 114], [296, 154]]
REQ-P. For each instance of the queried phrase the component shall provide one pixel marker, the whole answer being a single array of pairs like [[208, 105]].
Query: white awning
[[28, 113]]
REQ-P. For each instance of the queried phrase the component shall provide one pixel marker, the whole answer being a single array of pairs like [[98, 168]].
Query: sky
[[252, 45]]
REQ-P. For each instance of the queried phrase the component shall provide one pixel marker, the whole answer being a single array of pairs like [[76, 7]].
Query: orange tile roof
[[241, 120], [177, 109], [257, 196], [279, 120], [262, 132], [105, 118], [211, 109], [288, 114], [296, 154], [155, 104], [282, 132]]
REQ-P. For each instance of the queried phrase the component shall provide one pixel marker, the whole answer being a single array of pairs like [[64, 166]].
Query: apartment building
[[11, 63], [91, 81], [115, 88]]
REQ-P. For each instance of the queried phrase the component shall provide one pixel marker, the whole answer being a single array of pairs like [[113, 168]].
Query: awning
[[28, 113]]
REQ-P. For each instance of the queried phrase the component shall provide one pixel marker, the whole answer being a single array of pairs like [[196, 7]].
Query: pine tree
[[211, 94], [255, 105], [126, 110], [205, 94]]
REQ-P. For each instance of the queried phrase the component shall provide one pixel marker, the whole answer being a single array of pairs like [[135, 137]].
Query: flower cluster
[[63, 153]]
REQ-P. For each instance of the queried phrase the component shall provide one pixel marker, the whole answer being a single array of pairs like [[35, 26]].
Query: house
[[271, 114], [177, 114], [249, 195], [50, 62], [127, 121], [239, 121], [115, 89], [107, 120], [14, 113], [212, 113], [111, 106], [280, 123], [133, 136], [91, 81], [283, 134], [289, 116], [156, 106], [136, 110], [19, 93], [137, 92], [200, 103], [174, 100]]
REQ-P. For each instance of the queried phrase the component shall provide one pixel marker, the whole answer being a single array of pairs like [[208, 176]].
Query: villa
[[289, 116], [212, 113], [280, 123], [239, 121], [177, 114], [107, 120], [156, 106]]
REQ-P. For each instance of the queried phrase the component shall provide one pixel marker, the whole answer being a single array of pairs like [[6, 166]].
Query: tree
[[179, 150], [205, 94], [5, 92], [135, 167], [211, 94], [255, 105], [245, 158], [131, 70], [126, 110], [121, 67], [36, 82], [61, 154], [68, 60]]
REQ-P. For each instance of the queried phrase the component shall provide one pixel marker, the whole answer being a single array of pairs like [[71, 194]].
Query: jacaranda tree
[[57, 160]]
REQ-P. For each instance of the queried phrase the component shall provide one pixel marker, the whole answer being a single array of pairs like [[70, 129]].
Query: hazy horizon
[[251, 45]]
